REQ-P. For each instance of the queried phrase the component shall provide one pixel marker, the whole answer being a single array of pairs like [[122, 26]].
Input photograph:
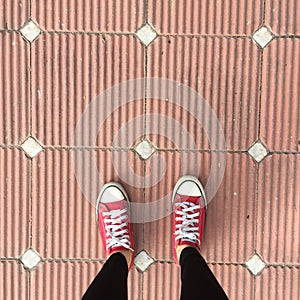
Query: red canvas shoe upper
[[113, 214], [188, 217]]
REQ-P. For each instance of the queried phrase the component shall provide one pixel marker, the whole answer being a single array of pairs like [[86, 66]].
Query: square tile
[[14, 203], [14, 13], [30, 259], [96, 16], [162, 172], [230, 226], [15, 283], [283, 16], [285, 279], [64, 221], [205, 17], [14, 93], [278, 219], [225, 74], [255, 264], [100, 64], [280, 100], [30, 31]]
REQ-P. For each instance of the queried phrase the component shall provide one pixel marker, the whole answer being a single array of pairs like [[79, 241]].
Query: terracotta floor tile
[[14, 281], [75, 275], [155, 279], [235, 280], [280, 125], [225, 72], [15, 202], [97, 16], [69, 71], [14, 89], [14, 13], [229, 235], [285, 279], [205, 17], [283, 16], [172, 126], [278, 219], [162, 172], [64, 224]]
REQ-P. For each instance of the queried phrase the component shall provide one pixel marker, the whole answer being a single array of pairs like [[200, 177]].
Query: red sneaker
[[113, 216], [189, 211]]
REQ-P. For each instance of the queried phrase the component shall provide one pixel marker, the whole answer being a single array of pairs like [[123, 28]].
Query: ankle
[[180, 248], [128, 254]]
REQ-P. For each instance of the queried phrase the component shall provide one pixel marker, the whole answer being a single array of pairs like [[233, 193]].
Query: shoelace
[[116, 234], [188, 228]]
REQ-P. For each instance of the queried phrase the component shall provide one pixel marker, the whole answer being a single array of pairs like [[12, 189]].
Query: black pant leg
[[111, 281], [198, 281]]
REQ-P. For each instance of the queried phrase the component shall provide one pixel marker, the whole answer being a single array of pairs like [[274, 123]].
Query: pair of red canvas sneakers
[[189, 211]]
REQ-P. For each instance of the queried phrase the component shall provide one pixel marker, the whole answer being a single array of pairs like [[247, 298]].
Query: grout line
[[30, 89], [241, 264], [264, 12], [102, 260], [66, 260], [260, 93], [89, 32], [6, 30], [112, 149], [29, 283], [30, 203], [174, 35], [146, 11], [256, 207]]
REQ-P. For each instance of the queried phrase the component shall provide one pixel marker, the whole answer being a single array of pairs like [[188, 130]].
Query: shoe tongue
[[185, 239]]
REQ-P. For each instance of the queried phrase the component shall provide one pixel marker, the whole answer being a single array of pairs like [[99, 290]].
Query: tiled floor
[[242, 58]]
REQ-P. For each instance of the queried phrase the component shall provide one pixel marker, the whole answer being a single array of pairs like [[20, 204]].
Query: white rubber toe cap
[[112, 194], [189, 188]]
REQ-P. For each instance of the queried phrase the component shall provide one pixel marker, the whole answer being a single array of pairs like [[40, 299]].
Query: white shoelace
[[114, 224], [188, 228]]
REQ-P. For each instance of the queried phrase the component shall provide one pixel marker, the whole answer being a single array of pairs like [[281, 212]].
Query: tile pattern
[[87, 48]]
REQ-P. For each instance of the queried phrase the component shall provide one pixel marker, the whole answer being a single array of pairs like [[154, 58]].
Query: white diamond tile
[[31, 147], [263, 36], [30, 259], [258, 151], [145, 149], [146, 34], [142, 261], [255, 264], [30, 31]]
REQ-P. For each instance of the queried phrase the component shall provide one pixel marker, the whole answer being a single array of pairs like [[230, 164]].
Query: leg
[[198, 281], [189, 212], [111, 281], [113, 217]]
